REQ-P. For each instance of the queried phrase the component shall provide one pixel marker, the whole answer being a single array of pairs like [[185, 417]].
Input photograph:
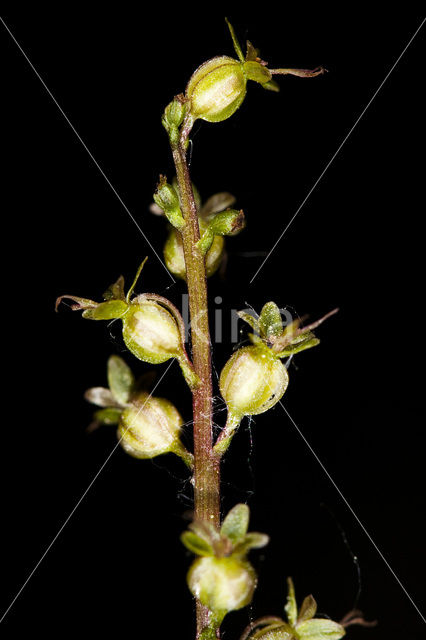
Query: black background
[[357, 244]]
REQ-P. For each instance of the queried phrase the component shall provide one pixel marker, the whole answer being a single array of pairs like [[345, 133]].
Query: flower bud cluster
[[215, 220]]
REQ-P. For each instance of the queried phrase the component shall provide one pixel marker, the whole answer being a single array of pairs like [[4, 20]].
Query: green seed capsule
[[252, 381], [150, 331], [150, 427], [222, 584], [216, 89]]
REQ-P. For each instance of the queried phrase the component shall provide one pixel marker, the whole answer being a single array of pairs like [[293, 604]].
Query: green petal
[[291, 349], [270, 321], [107, 310], [276, 631], [236, 523], [252, 540], [138, 273], [79, 303], [120, 379], [291, 606], [320, 629], [251, 320], [206, 531], [272, 85], [196, 544], [307, 610], [252, 52], [257, 72], [237, 46], [115, 291], [108, 416], [100, 396]]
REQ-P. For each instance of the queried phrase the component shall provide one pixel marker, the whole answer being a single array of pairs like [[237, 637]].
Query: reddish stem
[[206, 463]]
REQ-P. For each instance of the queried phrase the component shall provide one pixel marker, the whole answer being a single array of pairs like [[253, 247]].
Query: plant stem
[[206, 463]]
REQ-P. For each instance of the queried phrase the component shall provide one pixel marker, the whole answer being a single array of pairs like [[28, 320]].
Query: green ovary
[[151, 332], [222, 584], [149, 427], [252, 381]]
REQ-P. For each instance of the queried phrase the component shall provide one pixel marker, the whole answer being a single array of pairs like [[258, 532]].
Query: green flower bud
[[166, 195], [226, 223], [175, 111], [174, 255], [222, 584], [167, 198], [213, 222], [150, 427], [173, 117], [252, 381], [216, 89]]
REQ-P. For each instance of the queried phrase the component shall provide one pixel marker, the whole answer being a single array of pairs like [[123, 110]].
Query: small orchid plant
[[253, 380]]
